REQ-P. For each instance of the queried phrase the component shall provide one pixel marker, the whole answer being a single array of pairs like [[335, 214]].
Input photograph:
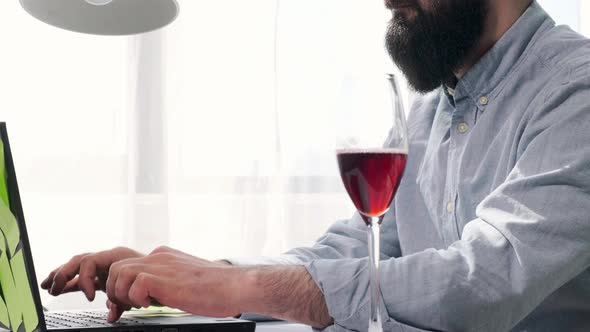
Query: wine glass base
[[375, 326]]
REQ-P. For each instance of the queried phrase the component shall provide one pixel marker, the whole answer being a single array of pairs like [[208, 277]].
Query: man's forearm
[[286, 292]]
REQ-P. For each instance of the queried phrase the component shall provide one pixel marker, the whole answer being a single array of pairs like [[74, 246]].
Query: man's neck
[[502, 15]]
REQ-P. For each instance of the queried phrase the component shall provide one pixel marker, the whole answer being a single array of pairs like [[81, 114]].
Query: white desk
[[281, 326]]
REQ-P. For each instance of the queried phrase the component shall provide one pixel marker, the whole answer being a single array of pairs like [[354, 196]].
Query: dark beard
[[430, 46]]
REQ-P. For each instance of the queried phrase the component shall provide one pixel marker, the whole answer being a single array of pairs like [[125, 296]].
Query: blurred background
[[215, 135]]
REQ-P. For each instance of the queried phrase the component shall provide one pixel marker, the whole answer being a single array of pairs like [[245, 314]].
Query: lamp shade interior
[[104, 17]]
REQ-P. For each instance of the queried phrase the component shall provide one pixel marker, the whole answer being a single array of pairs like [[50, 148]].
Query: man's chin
[[423, 75]]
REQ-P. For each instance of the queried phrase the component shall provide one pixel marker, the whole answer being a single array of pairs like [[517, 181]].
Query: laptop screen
[[17, 305]]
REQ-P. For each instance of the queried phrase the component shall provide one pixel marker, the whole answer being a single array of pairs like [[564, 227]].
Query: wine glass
[[372, 164]]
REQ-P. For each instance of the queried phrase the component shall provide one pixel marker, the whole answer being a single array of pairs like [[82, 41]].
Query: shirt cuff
[[345, 285], [261, 261]]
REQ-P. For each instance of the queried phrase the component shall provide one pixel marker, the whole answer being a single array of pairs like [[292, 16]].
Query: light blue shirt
[[490, 230]]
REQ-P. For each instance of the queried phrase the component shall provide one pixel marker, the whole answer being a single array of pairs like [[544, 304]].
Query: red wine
[[371, 178]]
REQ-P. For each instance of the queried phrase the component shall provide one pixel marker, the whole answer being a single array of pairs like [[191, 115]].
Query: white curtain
[[252, 110], [214, 135]]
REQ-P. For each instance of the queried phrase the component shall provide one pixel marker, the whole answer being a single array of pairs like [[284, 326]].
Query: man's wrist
[[246, 289], [285, 292]]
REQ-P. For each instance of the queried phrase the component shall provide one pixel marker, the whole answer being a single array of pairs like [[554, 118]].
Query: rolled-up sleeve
[[531, 237]]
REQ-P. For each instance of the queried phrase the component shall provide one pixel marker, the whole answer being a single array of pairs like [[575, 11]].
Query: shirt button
[[462, 127], [450, 207], [484, 100]]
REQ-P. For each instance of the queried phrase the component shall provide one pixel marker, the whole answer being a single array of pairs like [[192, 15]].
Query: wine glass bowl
[[371, 178]]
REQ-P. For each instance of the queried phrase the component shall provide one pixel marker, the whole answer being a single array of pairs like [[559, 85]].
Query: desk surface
[[282, 326]]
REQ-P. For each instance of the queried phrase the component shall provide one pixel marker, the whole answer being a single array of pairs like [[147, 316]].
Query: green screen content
[[17, 307]]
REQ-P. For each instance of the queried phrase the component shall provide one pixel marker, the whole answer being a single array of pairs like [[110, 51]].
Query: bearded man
[[490, 228]]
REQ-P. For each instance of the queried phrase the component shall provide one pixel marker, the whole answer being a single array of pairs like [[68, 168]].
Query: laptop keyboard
[[84, 319]]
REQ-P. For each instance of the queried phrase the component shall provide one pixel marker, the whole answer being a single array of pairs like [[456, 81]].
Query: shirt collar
[[485, 79], [450, 94]]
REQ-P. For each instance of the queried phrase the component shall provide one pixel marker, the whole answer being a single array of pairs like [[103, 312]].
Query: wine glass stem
[[374, 253]]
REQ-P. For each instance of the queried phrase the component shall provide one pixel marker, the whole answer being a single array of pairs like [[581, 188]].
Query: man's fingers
[[125, 278], [74, 286], [66, 273], [122, 277], [71, 286], [148, 287], [112, 278], [115, 311], [91, 266], [48, 282], [87, 276]]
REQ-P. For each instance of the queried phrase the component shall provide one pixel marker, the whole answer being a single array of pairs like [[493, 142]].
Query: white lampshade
[[104, 17]]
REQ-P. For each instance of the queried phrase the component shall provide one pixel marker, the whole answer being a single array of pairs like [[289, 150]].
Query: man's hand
[[87, 272], [179, 280], [215, 289], [174, 279]]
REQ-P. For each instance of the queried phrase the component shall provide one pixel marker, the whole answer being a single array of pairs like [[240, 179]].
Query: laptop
[[20, 304]]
